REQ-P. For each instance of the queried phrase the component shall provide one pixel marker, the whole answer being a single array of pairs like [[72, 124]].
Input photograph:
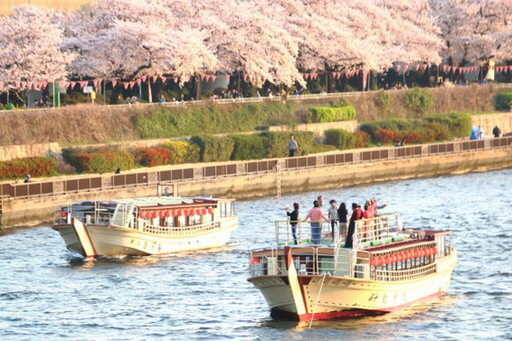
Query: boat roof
[[159, 201]]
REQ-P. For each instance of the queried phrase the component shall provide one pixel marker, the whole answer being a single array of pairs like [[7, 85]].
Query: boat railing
[[179, 231], [97, 213], [313, 261], [290, 233], [405, 274], [377, 231]]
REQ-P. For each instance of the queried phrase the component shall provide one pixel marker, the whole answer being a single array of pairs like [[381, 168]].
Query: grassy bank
[[90, 124]]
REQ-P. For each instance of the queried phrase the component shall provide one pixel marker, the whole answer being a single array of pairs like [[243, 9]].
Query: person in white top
[[480, 133], [332, 214]]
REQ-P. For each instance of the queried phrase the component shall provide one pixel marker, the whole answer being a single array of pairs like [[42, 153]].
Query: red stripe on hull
[[347, 314]]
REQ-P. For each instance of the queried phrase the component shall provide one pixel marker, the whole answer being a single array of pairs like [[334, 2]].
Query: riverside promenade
[[34, 203]]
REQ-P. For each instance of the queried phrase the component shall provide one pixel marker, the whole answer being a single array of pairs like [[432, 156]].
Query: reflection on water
[[46, 292]]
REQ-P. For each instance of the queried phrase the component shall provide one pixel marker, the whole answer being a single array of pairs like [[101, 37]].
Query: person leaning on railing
[[294, 218], [316, 216]]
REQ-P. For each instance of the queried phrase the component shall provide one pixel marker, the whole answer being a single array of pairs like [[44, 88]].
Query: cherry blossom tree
[[30, 50], [474, 29]]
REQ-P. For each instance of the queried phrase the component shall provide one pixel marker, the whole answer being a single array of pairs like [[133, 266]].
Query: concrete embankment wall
[[36, 210], [489, 121]]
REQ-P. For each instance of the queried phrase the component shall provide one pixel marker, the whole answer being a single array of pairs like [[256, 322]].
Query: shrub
[[418, 100], [340, 102], [278, 142], [182, 151], [503, 101], [330, 114], [386, 136], [383, 102], [100, 161], [35, 166], [458, 124], [249, 147], [392, 124], [339, 138], [162, 122], [213, 148], [152, 156], [361, 139]]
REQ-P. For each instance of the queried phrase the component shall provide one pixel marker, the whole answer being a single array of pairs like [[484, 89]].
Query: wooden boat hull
[[318, 297], [97, 240]]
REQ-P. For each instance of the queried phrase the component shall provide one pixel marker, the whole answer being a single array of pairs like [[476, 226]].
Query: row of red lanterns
[[404, 255], [175, 213]]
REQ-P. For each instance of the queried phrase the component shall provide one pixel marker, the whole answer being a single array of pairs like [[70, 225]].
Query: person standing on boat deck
[[357, 214], [316, 216], [294, 218], [320, 200], [342, 217], [332, 213], [292, 146]]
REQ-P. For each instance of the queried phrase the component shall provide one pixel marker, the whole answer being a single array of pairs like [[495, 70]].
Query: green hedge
[[330, 114], [249, 147], [278, 142], [339, 138], [182, 151], [99, 161], [33, 166], [503, 101], [213, 148], [458, 124], [162, 122]]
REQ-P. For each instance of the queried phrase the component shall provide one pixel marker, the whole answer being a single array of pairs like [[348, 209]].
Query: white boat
[[146, 226], [388, 268]]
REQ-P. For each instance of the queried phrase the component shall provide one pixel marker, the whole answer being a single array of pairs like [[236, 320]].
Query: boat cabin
[[147, 214]]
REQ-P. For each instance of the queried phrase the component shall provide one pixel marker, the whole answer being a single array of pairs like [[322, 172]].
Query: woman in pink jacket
[[316, 216]]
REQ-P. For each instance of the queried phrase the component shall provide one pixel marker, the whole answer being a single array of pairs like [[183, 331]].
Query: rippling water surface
[[46, 293]]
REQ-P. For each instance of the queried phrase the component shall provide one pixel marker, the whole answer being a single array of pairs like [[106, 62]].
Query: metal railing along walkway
[[207, 172]]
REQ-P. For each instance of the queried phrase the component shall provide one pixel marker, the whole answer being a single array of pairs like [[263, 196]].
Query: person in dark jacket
[[342, 216], [294, 218], [357, 214], [496, 131]]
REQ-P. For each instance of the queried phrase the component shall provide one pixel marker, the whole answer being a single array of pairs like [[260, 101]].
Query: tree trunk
[[150, 97]]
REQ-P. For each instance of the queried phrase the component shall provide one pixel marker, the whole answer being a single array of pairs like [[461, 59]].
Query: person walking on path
[[293, 147], [357, 214], [316, 216], [294, 218], [332, 213], [342, 216], [496, 132]]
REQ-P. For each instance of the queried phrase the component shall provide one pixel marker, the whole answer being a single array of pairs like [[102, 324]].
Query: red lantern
[[373, 261], [198, 211], [210, 210], [63, 214], [154, 214], [255, 260], [204, 211], [180, 213], [161, 214], [400, 256], [191, 212], [141, 214], [387, 259], [167, 214]]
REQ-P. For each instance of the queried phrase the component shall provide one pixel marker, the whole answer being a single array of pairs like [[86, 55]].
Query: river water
[[47, 293]]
